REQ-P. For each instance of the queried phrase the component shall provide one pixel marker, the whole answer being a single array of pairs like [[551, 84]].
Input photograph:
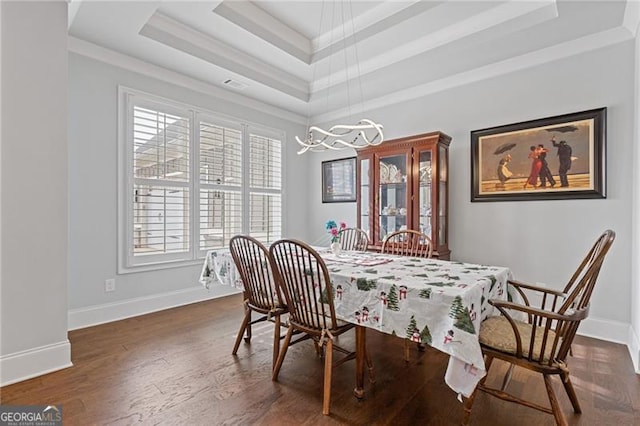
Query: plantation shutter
[[161, 158], [265, 188], [220, 184]]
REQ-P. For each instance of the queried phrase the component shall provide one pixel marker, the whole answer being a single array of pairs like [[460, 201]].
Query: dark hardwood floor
[[176, 367]]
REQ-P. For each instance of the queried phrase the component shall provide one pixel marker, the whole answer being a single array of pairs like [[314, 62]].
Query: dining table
[[425, 300]]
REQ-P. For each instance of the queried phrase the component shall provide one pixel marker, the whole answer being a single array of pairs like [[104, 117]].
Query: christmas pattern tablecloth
[[436, 302]]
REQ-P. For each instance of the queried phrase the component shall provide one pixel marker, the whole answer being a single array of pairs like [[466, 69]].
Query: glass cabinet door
[[365, 184], [424, 201], [403, 184], [392, 195], [443, 162]]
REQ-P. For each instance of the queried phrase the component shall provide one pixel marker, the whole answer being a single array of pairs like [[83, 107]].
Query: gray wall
[[93, 182], [33, 306], [635, 253], [541, 241]]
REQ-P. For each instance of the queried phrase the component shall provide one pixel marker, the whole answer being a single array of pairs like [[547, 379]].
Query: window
[[190, 181]]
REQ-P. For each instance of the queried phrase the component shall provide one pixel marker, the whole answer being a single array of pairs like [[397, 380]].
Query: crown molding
[[72, 11], [631, 16], [527, 14], [538, 57], [121, 60], [372, 22], [253, 19], [177, 35]]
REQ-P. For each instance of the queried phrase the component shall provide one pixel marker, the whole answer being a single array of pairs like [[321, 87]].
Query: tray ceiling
[[298, 56]]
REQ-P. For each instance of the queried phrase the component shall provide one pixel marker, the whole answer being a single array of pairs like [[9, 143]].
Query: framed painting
[[550, 158], [339, 180]]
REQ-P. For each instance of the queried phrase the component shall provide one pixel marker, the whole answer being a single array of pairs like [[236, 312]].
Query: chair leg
[[468, 403], [328, 367], [555, 406], [282, 353], [372, 372], [243, 327], [406, 350], [466, 408], [248, 330], [276, 341], [571, 393]]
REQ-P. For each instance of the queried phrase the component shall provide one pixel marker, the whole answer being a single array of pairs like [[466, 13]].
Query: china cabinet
[[404, 184]]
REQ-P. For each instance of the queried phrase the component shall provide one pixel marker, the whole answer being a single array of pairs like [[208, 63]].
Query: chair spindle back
[[353, 239], [305, 283], [252, 261], [408, 243]]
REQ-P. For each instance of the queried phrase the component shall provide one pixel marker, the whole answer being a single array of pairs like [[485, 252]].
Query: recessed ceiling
[[301, 56]]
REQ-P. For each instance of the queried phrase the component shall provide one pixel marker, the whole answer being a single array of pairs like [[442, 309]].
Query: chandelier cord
[[355, 48], [346, 62], [341, 136]]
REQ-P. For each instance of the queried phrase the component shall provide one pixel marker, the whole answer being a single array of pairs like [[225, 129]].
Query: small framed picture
[[339, 180], [551, 158]]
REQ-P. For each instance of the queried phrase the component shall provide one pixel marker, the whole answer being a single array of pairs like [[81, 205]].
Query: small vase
[[335, 248]]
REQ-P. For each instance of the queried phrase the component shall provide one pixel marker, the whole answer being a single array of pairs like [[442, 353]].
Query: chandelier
[[342, 136], [362, 133]]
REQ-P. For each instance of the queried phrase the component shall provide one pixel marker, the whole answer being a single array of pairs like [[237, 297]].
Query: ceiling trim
[[252, 18], [173, 33], [372, 22], [631, 18], [564, 50], [72, 11], [121, 60], [528, 13]]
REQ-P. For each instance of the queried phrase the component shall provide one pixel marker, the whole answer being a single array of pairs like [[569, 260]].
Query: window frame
[[128, 98]]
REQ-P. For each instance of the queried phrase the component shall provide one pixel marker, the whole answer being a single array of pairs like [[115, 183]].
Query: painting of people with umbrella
[[550, 158]]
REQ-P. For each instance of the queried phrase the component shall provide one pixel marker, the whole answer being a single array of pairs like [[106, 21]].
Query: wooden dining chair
[[353, 239], [408, 243], [261, 293], [542, 342], [305, 283]]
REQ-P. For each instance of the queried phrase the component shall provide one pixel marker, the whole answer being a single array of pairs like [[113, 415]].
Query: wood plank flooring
[[175, 367]]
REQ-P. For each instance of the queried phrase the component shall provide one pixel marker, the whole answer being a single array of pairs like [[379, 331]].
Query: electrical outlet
[[109, 285]]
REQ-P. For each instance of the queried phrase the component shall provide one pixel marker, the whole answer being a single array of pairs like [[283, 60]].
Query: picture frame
[[339, 180], [560, 157]]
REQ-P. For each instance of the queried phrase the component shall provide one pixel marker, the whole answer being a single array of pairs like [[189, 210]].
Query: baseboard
[[24, 365], [603, 329], [611, 331], [616, 332], [100, 314], [634, 349]]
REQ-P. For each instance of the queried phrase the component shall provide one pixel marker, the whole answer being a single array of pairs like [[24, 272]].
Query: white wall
[[541, 241], [33, 314], [634, 332], [93, 194]]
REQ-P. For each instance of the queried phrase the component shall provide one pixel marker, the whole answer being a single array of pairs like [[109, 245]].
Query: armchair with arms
[[542, 342]]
